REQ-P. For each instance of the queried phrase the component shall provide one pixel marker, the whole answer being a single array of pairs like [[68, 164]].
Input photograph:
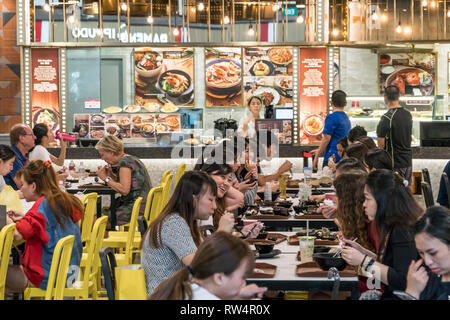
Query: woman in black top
[[392, 207], [432, 236]]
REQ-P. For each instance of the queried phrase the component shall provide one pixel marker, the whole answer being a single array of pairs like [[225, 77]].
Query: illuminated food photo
[[174, 83], [313, 125], [223, 74], [261, 68], [281, 56]]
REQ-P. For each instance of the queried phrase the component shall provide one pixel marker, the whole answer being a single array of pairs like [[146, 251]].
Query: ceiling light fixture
[[300, 18], [201, 6], [251, 31], [150, 20]]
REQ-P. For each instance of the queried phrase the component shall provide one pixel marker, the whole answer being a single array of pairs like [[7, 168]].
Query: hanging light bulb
[[201, 6], [399, 28], [424, 3], [350, 5], [300, 18], [374, 16], [384, 17], [149, 19], [193, 9], [407, 30], [226, 20], [433, 4], [46, 7], [335, 32], [251, 31], [175, 31], [275, 7], [123, 6], [448, 13], [71, 19]]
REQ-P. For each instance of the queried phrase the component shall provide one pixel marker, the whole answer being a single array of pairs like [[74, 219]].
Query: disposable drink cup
[[306, 248], [307, 171], [330, 196]]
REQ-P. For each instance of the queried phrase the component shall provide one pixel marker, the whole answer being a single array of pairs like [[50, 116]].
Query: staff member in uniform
[[394, 133]]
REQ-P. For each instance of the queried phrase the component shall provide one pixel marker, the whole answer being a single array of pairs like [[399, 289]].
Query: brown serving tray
[[293, 240], [269, 270], [266, 216], [280, 238], [312, 269], [93, 186], [309, 216]]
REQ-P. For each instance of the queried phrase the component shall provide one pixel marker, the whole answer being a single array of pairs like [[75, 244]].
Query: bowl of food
[[326, 260], [223, 74], [262, 235], [297, 209], [285, 204], [280, 211], [112, 129], [384, 59], [262, 68], [321, 249], [173, 121], [47, 117], [96, 134], [270, 95], [148, 64], [175, 83], [275, 195], [161, 127], [97, 120], [280, 56], [410, 80], [124, 122], [263, 247], [313, 125], [137, 122]]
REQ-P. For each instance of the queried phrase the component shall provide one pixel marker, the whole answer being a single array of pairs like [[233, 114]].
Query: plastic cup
[[306, 248], [307, 172], [330, 196]]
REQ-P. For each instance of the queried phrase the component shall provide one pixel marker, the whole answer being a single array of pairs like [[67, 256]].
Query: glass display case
[[367, 110]]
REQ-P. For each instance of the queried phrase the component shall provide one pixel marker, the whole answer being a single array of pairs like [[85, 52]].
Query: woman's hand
[[15, 215], [286, 166], [328, 212], [226, 222], [244, 186], [251, 291], [317, 197], [417, 278], [252, 229], [63, 143], [352, 256], [102, 173]]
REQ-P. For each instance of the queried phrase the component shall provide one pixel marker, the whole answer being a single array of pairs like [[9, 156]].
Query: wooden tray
[[269, 270], [266, 217], [93, 186], [280, 238], [293, 240], [312, 269], [309, 216]]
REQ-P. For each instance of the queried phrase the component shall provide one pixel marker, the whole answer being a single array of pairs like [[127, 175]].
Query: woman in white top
[[246, 126], [43, 138], [7, 157], [218, 271]]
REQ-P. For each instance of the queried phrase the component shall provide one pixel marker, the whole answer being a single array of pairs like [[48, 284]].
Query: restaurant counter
[[193, 152]]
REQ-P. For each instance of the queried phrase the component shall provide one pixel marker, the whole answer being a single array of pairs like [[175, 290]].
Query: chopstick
[[340, 249], [249, 233]]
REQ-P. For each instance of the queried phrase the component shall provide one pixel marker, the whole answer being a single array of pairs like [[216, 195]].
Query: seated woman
[[378, 159], [356, 150], [218, 271], [125, 174], [7, 157], [432, 237], [173, 237], [393, 209], [54, 215]]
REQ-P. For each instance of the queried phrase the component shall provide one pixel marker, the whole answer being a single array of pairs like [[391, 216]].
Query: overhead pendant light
[[384, 17], [375, 16], [71, 19], [201, 6], [350, 5], [424, 3], [433, 4], [448, 13], [300, 18], [123, 6], [150, 19], [335, 32], [407, 30], [251, 31], [193, 9], [46, 7], [275, 7], [399, 27], [226, 20], [176, 32]]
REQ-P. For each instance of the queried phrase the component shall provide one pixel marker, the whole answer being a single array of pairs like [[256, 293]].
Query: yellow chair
[[89, 202], [180, 172], [6, 240], [125, 239], [58, 272], [167, 172], [166, 183], [156, 206]]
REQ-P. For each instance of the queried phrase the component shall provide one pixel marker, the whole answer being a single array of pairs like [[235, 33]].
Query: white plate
[[112, 109], [134, 110], [152, 107], [275, 94], [175, 109], [114, 126]]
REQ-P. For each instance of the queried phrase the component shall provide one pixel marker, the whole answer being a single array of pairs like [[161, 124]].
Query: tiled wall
[[9, 67]]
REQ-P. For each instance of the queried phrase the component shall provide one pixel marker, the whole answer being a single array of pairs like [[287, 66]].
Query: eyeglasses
[[28, 134]]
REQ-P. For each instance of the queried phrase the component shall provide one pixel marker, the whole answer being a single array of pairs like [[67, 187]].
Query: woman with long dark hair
[[432, 237], [218, 271], [174, 236], [44, 136], [7, 157], [390, 204], [378, 159], [53, 216]]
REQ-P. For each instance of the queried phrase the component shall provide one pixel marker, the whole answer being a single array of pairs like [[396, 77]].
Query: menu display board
[[412, 73], [281, 128], [45, 91], [313, 94], [118, 125], [164, 77], [223, 68], [269, 72]]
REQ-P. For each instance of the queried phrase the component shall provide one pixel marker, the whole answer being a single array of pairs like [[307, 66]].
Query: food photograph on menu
[[412, 73], [223, 77], [164, 77], [148, 125], [269, 72], [281, 128], [96, 126], [118, 125], [82, 121]]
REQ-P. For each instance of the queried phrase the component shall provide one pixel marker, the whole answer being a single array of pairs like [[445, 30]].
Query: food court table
[[286, 279], [76, 188]]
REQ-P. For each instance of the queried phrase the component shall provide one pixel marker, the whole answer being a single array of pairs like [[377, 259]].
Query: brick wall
[[9, 67]]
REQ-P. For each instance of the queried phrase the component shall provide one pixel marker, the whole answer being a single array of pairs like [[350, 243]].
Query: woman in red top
[[53, 216]]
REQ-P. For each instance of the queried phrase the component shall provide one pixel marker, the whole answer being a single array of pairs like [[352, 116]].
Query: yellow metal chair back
[[6, 240], [132, 230], [153, 205], [57, 274], [165, 174], [180, 172], [166, 189], [89, 202]]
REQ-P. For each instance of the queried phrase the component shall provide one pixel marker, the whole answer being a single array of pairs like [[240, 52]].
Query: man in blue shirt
[[337, 126], [22, 141]]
